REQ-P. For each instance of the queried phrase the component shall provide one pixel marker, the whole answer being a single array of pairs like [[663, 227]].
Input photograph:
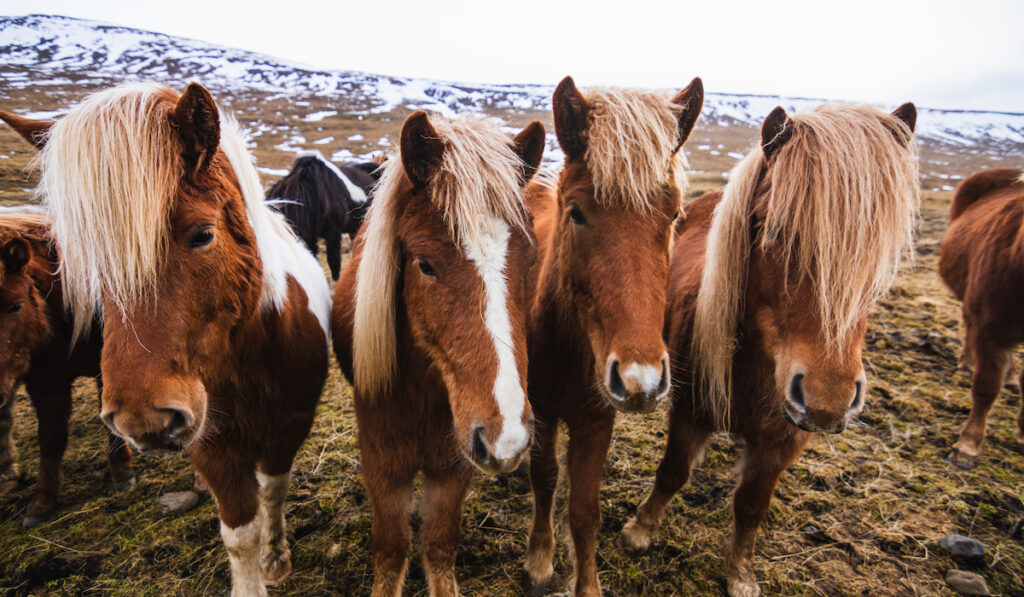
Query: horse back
[[343, 308], [685, 272], [984, 184], [542, 203]]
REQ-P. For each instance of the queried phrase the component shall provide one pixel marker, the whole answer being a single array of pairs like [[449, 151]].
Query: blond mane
[[633, 145], [841, 211], [110, 174], [478, 180]]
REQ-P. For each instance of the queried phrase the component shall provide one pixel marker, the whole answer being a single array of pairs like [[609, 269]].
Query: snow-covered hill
[[38, 50]]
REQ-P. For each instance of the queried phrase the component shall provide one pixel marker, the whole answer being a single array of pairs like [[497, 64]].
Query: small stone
[[967, 583], [177, 502], [963, 547]]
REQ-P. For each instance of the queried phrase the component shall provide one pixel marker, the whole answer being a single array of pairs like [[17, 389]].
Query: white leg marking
[[489, 258], [243, 545], [275, 557]]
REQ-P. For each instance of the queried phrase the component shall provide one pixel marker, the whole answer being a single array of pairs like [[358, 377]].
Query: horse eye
[[16, 307], [201, 237], [426, 268], [577, 216]]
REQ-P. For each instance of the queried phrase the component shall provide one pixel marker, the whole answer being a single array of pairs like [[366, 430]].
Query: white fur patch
[[357, 194], [489, 258], [281, 253], [646, 376], [243, 545]]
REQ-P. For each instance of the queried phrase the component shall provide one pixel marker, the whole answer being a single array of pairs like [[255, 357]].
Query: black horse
[[323, 200]]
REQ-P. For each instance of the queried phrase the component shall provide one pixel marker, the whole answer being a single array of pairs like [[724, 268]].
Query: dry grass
[[860, 513]]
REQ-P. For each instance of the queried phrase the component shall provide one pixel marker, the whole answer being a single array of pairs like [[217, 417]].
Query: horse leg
[[989, 372], [9, 471], [333, 246], [52, 402], [538, 569], [119, 455], [390, 497], [588, 450], [761, 468], [233, 484], [684, 448], [443, 496]]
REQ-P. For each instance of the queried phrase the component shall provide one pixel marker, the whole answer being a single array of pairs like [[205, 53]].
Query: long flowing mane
[[110, 175], [633, 145], [841, 211], [478, 181]]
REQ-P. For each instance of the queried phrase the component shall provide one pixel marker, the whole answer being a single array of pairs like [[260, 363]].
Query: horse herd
[[481, 306]]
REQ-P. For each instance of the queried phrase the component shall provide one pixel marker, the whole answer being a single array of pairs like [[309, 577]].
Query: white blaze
[[489, 257]]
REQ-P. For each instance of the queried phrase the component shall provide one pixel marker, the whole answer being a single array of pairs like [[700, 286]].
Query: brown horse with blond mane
[[598, 294], [35, 349], [770, 289], [429, 324], [982, 262], [215, 316]]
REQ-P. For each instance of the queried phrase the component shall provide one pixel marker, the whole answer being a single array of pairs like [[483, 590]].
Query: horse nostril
[[108, 420], [796, 390], [178, 421], [858, 396], [615, 384], [663, 384], [480, 451]]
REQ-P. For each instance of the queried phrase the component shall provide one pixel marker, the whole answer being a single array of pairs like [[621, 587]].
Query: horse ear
[[529, 146], [422, 148], [908, 114], [775, 131], [15, 254], [197, 123], [691, 100], [33, 131], [570, 110]]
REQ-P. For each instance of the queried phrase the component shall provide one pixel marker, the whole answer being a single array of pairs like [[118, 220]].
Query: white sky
[[939, 53]]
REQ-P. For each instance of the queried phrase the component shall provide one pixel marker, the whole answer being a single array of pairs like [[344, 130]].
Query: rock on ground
[[178, 502], [967, 583]]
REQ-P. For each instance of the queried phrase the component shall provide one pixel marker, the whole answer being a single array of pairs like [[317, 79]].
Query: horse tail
[[982, 184]]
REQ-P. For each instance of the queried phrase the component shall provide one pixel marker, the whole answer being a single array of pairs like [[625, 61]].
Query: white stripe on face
[[489, 259]]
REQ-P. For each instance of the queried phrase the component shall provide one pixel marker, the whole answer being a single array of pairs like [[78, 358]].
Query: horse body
[[758, 348], [215, 337], [982, 262], [597, 305], [322, 200], [36, 349], [429, 323]]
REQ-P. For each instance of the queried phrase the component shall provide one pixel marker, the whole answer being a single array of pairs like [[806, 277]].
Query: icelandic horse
[[36, 349], [982, 262], [604, 232], [323, 200], [429, 324], [215, 337], [771, 283]]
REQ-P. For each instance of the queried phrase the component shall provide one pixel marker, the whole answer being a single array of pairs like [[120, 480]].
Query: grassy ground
[[860, 513]]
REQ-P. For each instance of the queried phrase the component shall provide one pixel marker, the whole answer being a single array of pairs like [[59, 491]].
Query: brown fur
[[597, 302], [195, 355], [36, 349], [436, 404], [982, 262], [790, 373]]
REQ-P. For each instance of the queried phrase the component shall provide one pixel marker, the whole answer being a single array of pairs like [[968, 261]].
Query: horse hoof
[[32, 520], [634, 537], [961, 460], [741, 588], [124, 484], [276, 568], [535, 587]]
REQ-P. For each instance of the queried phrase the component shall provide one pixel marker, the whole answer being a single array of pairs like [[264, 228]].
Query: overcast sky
[[938, 53]]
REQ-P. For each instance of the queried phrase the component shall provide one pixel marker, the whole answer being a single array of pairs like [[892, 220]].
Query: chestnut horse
[[429, 324], [35, 349], [322, 200], [597, 303], [982, 262], [215, 315], [769, 293]]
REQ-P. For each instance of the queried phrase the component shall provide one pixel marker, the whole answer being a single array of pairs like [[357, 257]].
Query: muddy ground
[[860, 514]]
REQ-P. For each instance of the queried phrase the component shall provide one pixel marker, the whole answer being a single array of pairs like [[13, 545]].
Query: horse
[[982, 262], [429, 325], [36, 349], [322, 200], [597, 304], [215, 335], [771, 284]]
